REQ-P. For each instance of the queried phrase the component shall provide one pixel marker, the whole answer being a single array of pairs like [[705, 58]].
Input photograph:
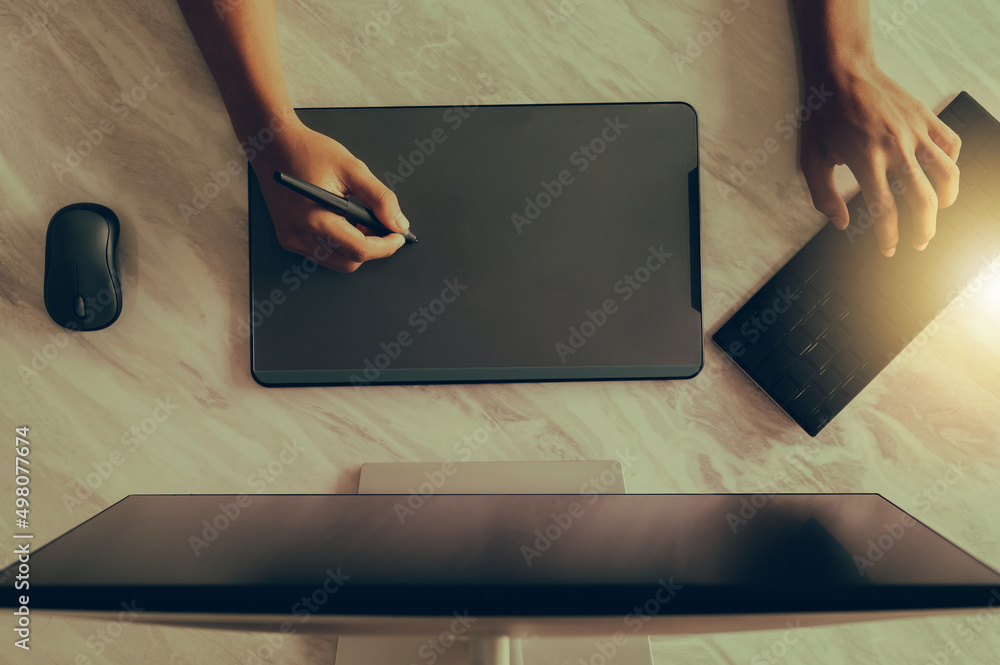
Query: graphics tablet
[[557, 242]]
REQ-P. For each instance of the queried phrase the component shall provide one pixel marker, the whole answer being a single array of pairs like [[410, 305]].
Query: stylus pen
[[349, 210]]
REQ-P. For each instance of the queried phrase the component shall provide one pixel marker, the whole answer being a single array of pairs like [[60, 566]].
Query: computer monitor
[[512, 565]]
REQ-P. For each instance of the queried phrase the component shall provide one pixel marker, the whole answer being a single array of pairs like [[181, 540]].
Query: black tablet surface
[[556, 242]]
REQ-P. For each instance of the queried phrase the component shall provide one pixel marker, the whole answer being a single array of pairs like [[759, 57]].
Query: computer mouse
[[82, 285]]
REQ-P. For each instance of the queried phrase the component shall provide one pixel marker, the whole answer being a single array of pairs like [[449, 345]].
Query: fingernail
[[921, 248], [836, 221], [402, 221], [889, 252]]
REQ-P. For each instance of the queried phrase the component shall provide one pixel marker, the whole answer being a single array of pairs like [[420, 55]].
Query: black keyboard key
[[797, 342], [819, 356], [863, 347], [871, 369], [773, 366], [815, 422], [853, 386], [807, 402], [824, 283], [827, 381], [784, 390], [790, 318], [837, 339], [952, 120], [750, 355], [802, 267], [785, 285], [807, 301], [834, 308], [836, 403], [845, 364], [871, 303], [889, 288], [801, 372], [815, 326], [854, 323]]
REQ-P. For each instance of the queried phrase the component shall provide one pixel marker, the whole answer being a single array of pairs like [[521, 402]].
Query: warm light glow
[[991, 296], [983, 292]]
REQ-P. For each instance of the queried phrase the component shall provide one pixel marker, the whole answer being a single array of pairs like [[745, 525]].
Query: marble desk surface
[[167, 369]]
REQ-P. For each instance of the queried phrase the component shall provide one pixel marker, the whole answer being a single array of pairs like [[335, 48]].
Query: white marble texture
[[188, 287]]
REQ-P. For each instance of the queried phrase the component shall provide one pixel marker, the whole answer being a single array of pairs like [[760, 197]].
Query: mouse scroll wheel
[[78, 307]]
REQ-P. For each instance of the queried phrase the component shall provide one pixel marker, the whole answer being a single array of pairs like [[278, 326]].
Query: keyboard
[[833, 317]]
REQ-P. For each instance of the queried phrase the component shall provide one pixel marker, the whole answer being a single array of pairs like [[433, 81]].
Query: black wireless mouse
[[82, 286]]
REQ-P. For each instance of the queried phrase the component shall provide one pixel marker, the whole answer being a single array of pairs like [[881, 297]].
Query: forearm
[[239, 41], [835, 37]]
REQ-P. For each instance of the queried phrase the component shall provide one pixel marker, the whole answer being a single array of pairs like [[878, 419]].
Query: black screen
[[509, 555]]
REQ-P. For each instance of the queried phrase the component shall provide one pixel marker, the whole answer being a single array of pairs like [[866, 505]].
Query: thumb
[[819, 178], [368, 189]]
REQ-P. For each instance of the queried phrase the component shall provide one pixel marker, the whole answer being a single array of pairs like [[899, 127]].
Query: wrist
[[835, 39], [840, 66], [262, 134]]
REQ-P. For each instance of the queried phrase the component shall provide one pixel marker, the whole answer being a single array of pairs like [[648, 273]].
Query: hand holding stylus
[[301, 224], [241, 50]]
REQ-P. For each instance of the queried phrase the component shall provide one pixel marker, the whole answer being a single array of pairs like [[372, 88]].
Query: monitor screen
[[507, 555]]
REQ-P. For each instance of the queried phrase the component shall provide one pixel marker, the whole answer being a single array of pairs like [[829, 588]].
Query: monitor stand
[[414, 479]]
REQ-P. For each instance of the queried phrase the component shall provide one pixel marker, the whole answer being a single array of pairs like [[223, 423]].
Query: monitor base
[[422, 478], [354, 650]]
